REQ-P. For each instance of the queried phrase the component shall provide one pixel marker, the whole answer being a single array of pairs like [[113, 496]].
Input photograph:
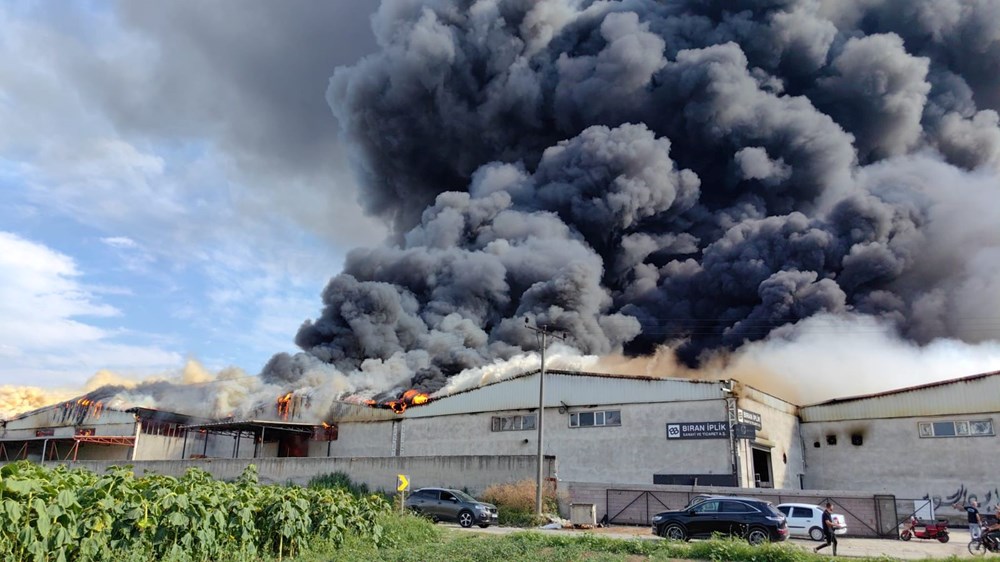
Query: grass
[[414, 539]]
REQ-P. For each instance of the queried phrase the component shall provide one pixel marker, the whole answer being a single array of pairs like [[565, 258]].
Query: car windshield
[[463, 496]]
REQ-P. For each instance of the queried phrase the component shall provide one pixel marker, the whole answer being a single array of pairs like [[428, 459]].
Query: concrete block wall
[[474, 472]]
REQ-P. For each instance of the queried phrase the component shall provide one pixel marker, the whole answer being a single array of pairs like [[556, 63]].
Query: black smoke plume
[[638, 173]]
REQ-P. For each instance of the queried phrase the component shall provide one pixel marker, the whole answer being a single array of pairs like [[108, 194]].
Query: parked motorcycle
[[937, 530]]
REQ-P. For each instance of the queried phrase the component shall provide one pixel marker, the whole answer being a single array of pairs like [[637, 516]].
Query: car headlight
[[658, 518], [482, 508]]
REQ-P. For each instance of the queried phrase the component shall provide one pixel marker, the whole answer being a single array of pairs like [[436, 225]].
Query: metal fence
[[867, 516]]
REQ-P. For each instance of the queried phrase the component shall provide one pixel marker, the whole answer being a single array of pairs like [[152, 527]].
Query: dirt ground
[[915, 549]]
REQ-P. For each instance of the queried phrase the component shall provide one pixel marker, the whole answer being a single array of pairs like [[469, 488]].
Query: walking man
[[975, 520], [828, 528]]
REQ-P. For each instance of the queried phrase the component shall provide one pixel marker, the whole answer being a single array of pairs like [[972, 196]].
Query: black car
[[443, 504], [755, 520]]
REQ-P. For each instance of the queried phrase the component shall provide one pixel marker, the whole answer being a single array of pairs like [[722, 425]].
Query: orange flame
[[409, 398], [284, 405], [85, 406]]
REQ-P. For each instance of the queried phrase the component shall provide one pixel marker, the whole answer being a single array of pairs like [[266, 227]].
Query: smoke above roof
[[791, 187], [637, 174]]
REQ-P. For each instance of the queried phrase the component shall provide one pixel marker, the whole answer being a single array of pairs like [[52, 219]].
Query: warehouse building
[[935, 443], [673, 431], [87, 430]]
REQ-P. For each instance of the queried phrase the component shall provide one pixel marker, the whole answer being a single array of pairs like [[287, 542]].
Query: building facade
[[936, 444], [672, 431], [84, 430]]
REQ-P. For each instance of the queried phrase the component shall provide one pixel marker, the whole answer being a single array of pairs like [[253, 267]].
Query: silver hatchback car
[[445, 504]]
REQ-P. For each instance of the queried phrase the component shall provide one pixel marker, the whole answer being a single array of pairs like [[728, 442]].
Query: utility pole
[[544, 332], [731, 418]]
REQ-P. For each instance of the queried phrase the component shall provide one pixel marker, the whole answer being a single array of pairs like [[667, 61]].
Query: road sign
[[402, 482]]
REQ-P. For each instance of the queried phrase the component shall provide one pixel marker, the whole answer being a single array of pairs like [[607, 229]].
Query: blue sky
[[172, 184]]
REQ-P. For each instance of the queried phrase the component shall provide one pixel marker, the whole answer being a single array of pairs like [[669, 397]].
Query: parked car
[[806, 520], [443, 504], [753, 519]]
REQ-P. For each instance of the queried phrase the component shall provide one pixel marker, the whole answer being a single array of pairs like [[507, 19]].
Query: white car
[[806, 520]]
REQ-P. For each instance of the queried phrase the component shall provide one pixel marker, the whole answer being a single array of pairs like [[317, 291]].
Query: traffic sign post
[[402, 483]]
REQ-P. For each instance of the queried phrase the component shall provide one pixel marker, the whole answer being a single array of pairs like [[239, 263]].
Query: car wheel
[[757, 536], [816, 534], [465, 518], [674, 532]]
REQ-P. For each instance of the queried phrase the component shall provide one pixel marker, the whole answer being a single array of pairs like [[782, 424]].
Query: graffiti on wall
[[963, 496]]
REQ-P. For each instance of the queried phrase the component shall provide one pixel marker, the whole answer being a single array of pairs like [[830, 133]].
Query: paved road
[[912, 550]]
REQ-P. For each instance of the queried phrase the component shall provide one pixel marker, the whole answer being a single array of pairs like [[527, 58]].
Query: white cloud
[[44, 309], [206, 163], [119, 242]]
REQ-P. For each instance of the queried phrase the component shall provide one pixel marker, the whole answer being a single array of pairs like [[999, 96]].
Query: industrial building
[[672, 431], [935, 442], [86, 430]]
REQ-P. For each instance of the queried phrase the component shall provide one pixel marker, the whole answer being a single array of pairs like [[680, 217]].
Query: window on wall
[[597, 418], [513, 423], [957, 428], [150, 427]]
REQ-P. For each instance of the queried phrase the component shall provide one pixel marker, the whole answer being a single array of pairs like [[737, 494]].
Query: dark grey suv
[[444, 504]]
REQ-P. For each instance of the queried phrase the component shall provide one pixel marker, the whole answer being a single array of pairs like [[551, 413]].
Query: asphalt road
[[915, 549]]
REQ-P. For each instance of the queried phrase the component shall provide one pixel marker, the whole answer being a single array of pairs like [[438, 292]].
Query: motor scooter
[[923, 530]]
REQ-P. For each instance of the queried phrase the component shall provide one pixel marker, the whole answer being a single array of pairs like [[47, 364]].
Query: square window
[[529, 422], [612, 417], [586, 419], [981, 427], [961, 428], [925, 429], [598, 418], [944, 429]]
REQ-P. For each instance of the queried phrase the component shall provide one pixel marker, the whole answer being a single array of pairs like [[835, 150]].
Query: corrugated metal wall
[[979, 394], [570, 389]]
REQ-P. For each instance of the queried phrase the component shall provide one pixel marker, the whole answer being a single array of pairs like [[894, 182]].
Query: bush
[[342, 481], [339, 480], [516, 502]]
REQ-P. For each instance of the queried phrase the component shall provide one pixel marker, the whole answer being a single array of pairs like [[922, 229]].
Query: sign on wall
[[744, 431], [698, 430], [748, 417]]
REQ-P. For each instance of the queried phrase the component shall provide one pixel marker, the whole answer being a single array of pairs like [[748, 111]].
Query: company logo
[[673, 431]]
